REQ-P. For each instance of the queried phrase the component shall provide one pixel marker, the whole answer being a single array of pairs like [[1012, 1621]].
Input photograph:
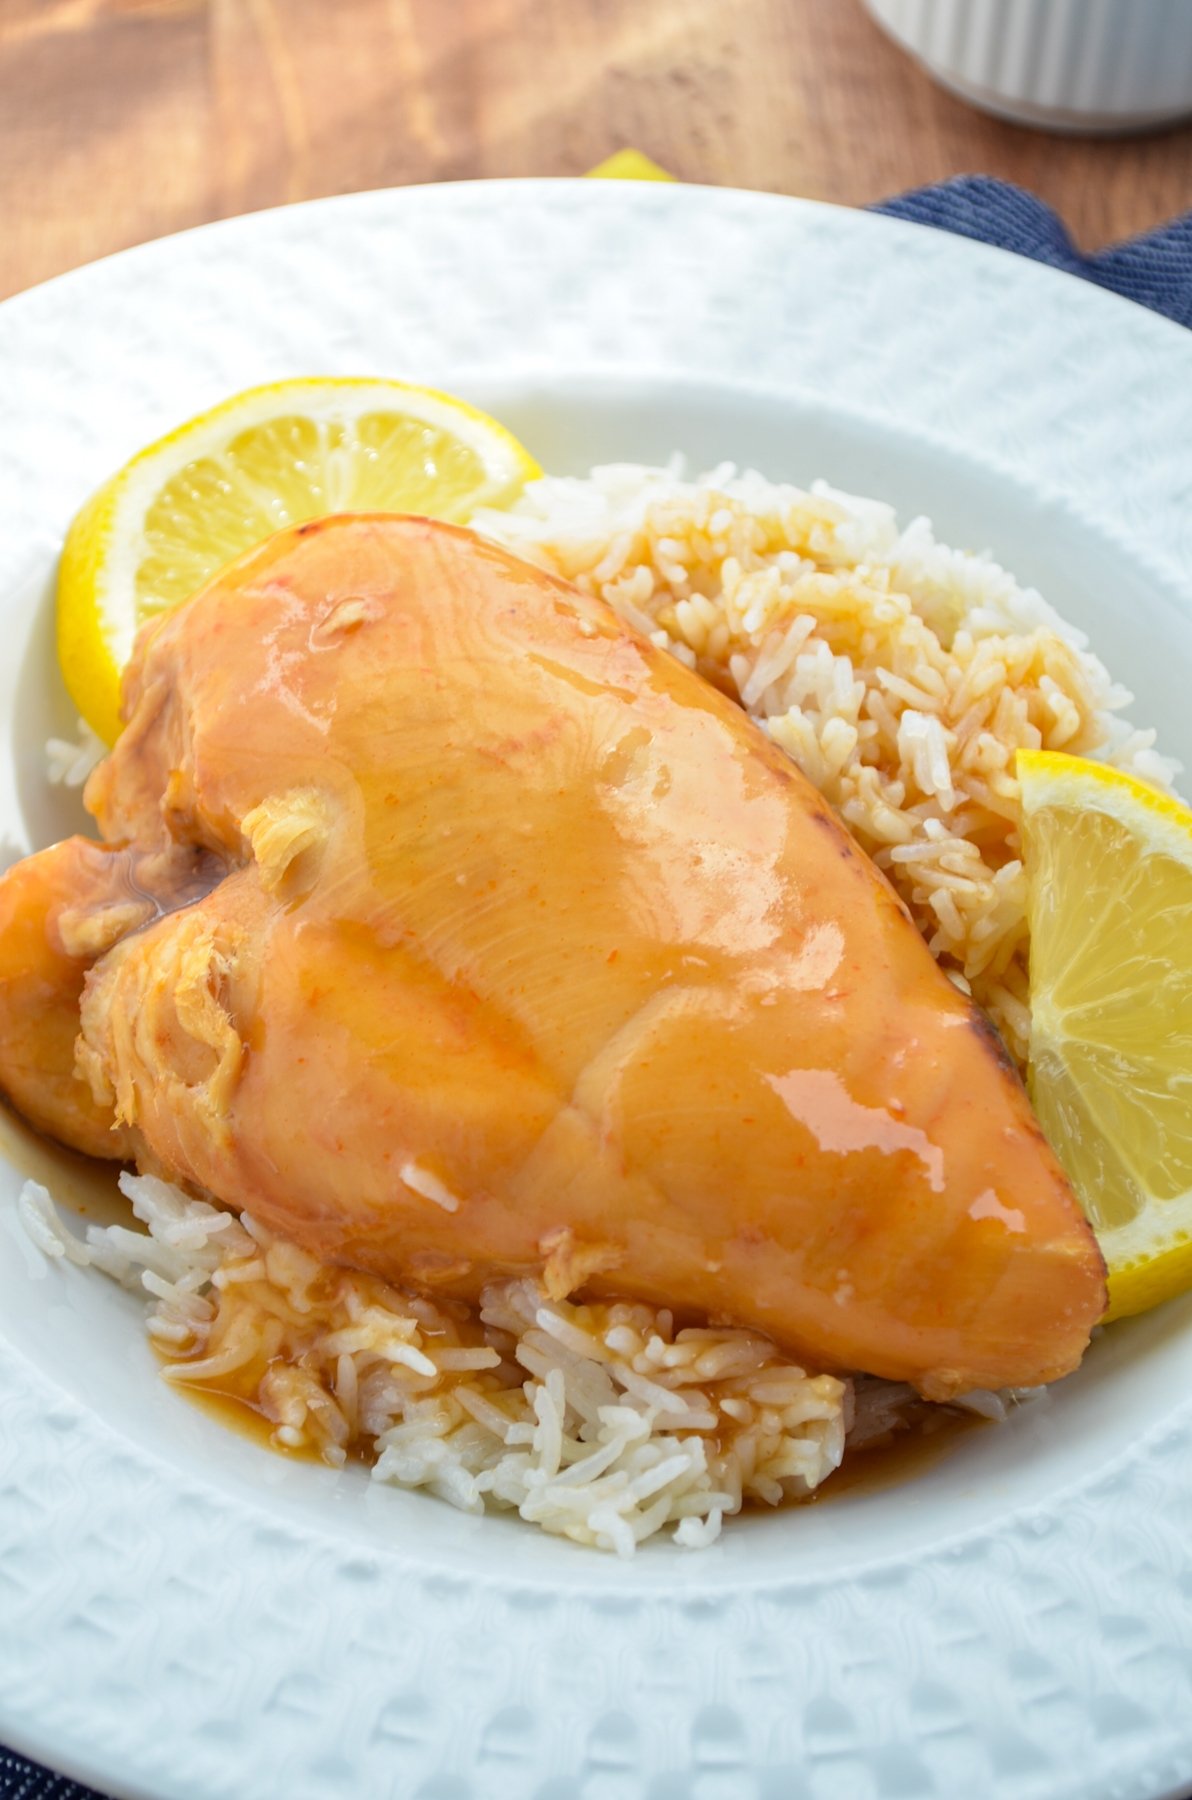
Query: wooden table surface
[[124, 119]]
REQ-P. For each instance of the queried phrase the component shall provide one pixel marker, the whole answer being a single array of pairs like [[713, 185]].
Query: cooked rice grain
[[69, 761]]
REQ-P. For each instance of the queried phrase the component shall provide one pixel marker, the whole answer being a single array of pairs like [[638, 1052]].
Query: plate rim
[[612, 189]]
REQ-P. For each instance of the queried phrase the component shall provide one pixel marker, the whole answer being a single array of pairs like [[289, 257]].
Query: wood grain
[[124, 119]]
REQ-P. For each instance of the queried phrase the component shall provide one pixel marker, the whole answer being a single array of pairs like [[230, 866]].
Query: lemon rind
[[1052, 778]]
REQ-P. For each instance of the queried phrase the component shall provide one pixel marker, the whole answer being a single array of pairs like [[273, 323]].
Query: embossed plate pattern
[[183, 1616]]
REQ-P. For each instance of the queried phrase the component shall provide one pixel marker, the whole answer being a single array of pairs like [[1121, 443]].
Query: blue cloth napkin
[[21, 1780], [1155, 271]]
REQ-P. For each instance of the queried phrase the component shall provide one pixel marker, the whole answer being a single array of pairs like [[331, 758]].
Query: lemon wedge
[[270, 457], [1109, 874]]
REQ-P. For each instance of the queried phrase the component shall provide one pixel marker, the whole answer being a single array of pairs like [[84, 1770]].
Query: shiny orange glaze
[[534, 950], [41, 984]]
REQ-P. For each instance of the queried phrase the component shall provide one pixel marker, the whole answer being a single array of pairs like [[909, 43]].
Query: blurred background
[[121, 120]]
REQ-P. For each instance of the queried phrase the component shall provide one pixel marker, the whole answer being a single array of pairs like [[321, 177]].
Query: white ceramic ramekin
[[1066, 65]]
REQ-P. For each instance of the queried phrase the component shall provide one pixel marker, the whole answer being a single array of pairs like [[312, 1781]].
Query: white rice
[[69, 761]]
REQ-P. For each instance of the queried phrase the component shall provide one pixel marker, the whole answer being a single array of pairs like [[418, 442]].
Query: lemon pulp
[[270, 457], [1109, 869]]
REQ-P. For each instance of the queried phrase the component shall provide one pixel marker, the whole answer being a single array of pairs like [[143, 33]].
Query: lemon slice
[[270, 457], [1109, 874]]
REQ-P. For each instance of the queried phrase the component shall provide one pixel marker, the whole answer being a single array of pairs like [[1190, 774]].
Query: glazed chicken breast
[[455, 931]]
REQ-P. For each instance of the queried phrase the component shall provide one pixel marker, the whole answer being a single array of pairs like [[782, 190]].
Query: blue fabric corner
[[1154, 270]]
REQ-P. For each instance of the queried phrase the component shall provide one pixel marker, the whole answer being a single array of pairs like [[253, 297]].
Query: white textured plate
[[183, 1616]]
